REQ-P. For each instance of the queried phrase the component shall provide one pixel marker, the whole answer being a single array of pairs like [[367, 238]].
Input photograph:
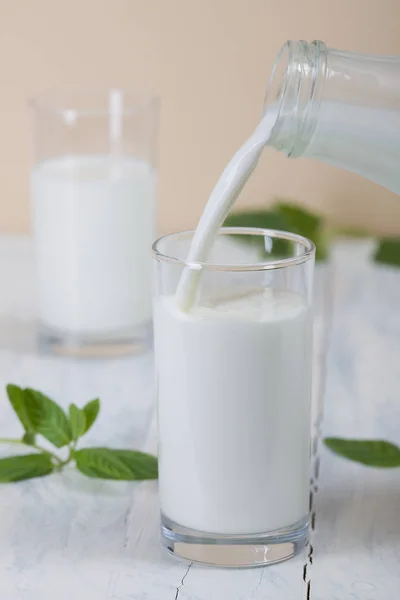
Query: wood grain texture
[[357, 541], [73, 538]]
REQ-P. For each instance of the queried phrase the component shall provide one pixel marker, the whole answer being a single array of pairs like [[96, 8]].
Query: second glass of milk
[[234, 397], [93, 209]]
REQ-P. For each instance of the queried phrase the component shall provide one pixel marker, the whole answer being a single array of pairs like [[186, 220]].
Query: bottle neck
[[294, 95], [339, 107]]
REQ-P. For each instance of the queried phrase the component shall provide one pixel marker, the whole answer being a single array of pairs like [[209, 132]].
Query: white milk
[[234, 397], [219, 204], [234, 382], [360, 139], [93, 221]]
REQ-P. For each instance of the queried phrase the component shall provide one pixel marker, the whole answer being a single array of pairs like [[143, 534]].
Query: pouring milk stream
[[339, 107]]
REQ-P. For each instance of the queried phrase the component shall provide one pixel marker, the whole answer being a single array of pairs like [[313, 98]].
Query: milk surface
[[93, 220], [234, 383]]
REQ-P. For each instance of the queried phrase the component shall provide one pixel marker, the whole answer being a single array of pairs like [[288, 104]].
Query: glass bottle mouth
[[294, 92]]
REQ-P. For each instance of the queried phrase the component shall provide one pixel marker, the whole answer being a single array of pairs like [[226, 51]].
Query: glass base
[[133, 341], [223, 550]]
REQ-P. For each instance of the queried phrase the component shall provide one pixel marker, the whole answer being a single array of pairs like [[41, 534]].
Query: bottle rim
[[295, 85]]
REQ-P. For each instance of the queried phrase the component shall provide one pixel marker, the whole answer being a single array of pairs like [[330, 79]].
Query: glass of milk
[[234, 396], [93, 209]]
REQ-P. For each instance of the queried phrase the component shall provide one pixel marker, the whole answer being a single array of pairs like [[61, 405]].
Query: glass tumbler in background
[[234, 397], [93, 206]]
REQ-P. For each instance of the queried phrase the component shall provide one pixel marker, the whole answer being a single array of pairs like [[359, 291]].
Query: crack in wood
[[112, 584], [317, 429], [178, 589], [127, 519], [313, 516], [254, 592], [316, 468], [311, 550]]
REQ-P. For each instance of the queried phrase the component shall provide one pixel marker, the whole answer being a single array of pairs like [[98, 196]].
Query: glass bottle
[[338, 107]]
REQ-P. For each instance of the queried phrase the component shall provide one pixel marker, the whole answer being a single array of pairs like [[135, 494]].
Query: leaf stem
[[60, 463]]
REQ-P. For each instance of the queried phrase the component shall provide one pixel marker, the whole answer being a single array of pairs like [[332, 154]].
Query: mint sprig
[[41, 416]]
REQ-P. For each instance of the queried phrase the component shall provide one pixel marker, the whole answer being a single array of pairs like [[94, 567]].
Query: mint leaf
[[263, 219], [374, 453], [388, 252], [18, 401], [26, 466], [29, 438], [47, 418], [301, 220], [283, 216], [77, 421], [107, 463], [351, 231], [91, 410], [306, 223], [39, 414]]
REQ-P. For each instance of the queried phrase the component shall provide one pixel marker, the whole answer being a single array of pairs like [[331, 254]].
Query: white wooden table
[[65, 537]]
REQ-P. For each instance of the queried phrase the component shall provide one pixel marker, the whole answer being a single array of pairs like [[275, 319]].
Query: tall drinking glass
[[234, 397], [93, 206]]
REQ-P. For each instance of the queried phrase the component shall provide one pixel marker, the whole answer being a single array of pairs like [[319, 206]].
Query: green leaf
[[388, 252], [321, 250], [39, 414], [263, 219], [351, 231], [107, 463], [47, 418], [301, 220], [26, 466], [29, 438], [283, 216], [18, 400], [77, 421], [91, 410], [306, 223], [374, 453]]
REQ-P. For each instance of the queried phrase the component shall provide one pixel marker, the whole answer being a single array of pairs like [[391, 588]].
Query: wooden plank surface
[[73, 538], [357, 541]]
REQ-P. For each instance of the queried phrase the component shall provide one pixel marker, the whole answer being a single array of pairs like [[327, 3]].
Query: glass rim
[[61, 100], [279, 263]]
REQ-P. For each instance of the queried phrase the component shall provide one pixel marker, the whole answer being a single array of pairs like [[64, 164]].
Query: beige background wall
[[209, 61]]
